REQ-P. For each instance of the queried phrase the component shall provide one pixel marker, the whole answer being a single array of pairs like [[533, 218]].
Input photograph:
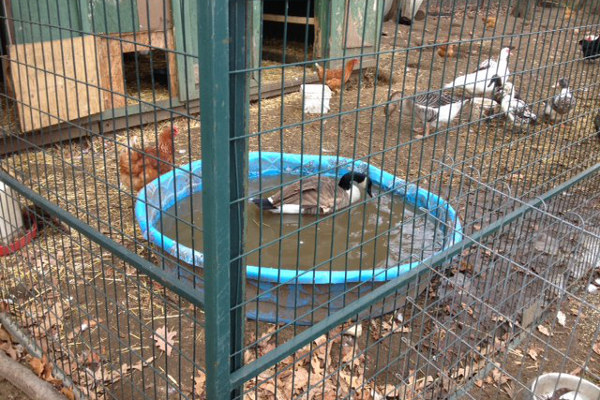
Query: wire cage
[[317, 199]]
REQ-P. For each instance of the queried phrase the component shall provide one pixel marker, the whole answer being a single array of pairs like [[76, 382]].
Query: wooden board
[[112, 48], [152, 16], [55, 81]]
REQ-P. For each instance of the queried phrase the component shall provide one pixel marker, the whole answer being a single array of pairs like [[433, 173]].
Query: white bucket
[[316, 98], [11, 220]]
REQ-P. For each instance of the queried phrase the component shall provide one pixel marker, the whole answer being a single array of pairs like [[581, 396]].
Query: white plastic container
[[316, 98], [11, 220], [545, 385]]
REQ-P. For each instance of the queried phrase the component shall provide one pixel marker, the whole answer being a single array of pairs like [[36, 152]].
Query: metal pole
[[223, 96]]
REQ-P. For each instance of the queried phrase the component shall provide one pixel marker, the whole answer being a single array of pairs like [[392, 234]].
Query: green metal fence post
[[222, 107]]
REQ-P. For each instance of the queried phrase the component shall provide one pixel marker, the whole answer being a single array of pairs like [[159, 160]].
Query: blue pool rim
[[175, 185]]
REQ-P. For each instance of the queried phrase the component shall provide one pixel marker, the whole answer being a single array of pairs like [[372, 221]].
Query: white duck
[[317, 196], [562, 103], [479, 82], [435, 107]]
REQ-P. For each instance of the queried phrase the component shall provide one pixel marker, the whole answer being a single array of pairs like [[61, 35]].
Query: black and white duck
[[561, 104], [515, 109], [318, 196]]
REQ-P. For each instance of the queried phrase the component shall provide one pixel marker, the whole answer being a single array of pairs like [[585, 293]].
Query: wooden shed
[[67, 58]]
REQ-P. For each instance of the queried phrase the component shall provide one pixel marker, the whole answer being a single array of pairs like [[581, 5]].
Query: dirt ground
[[563, 352], [9, 392], [128, 308]]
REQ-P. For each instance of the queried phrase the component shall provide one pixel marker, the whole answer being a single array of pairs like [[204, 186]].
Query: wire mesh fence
[[302, 199]]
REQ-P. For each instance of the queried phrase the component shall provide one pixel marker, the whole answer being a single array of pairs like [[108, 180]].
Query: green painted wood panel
[[255, 39], [352, 27], [113, 16], [343, 24], [36, 20], [185, 15], [44, 20]]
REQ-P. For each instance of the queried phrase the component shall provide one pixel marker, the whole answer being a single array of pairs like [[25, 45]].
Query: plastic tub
[[286, 295]]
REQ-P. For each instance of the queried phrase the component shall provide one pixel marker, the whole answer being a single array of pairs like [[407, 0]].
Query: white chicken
[[479, 83]]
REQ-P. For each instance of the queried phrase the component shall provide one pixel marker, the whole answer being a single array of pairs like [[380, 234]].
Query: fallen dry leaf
[[300, 379], [315, 363], [54, 317], [596, 348], [92, 358], [499, 377], [68, 392], [104, 375], [4, 335], [200, 383], [534, 352], [37, 364], [164, 339], [388, 390], [141, 364], [543, 330], [574, 311], [10, 350], [479, 383]]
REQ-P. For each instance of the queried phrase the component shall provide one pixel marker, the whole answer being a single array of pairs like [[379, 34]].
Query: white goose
[[479, 82], [317, 196]]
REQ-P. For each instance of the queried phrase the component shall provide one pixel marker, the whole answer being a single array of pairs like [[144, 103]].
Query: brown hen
[[490, 22], [333, 77], [139, 167], [447, 50]]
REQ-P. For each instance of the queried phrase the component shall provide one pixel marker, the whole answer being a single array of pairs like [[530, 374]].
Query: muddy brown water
[[384, 232]]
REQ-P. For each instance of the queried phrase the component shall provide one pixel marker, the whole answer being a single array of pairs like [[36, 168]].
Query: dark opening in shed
[[296, 27], [146, 76]]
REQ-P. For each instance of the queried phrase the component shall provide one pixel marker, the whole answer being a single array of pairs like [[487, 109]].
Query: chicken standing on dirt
[[447, 51], [333, 77], [490, 22], [139, 167]]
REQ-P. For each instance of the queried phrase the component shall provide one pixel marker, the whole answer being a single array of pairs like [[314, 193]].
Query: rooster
[[139, 167], [333, 77]]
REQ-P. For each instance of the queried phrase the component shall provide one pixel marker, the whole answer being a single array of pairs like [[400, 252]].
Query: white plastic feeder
[[316, 98], [545, 385], [11, 220]]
